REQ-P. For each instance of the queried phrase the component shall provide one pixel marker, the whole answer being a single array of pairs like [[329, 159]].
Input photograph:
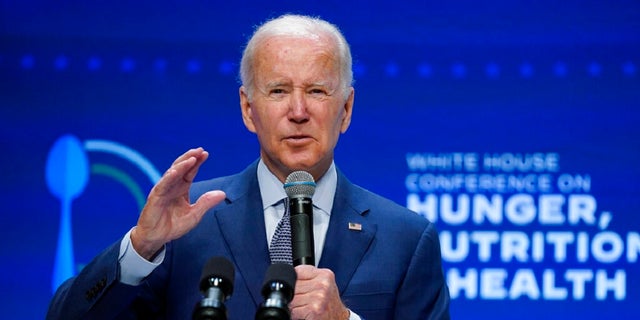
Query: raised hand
[[168, 213], [316, 295]]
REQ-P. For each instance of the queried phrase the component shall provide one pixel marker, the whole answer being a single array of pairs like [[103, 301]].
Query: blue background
[[461, 76]]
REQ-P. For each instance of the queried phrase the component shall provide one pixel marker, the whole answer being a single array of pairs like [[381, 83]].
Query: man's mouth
[[298, 139]]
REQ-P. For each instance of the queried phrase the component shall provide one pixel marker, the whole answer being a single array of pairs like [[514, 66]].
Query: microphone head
[[218, 272], [300, 184], [282, 273]]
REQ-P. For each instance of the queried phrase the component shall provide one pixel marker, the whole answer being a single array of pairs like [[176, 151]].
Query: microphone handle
[[302, 247], [211, 307]]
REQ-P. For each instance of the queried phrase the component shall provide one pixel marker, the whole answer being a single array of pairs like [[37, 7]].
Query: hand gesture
[[168, 213]]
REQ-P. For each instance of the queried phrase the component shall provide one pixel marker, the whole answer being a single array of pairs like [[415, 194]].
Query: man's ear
[[348, 110], [245, 107]]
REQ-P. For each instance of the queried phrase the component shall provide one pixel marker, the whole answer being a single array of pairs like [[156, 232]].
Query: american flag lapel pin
[[355, 226]]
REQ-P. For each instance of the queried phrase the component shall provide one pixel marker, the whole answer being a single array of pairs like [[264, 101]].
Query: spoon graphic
[[67, 174]]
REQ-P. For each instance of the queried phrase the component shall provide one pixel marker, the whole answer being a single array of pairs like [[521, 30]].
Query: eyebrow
[[278, 83], [287, 83], [319, 84]]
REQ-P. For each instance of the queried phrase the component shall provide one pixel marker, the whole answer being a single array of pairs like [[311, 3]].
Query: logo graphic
[[67, 174]]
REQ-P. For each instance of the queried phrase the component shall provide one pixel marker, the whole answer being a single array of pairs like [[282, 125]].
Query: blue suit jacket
[[391, 269]]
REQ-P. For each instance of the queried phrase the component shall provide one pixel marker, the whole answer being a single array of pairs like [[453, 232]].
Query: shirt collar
[[272, 191]]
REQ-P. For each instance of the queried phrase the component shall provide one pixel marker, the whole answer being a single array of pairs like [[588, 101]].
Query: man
[[297, 98]]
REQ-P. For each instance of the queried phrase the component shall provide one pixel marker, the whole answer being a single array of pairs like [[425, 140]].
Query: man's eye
[[277, 91], [318, 91]]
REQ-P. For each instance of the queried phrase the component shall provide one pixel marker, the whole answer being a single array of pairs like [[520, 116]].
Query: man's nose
[[298, 111]]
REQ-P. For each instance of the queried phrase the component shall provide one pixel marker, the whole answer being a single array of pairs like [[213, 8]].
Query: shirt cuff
[[133, 267]]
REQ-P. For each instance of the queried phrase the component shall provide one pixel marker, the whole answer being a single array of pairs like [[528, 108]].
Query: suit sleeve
[[97, 293], [424, 293]]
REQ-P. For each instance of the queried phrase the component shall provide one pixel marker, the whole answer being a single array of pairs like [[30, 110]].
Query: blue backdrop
[[513, 126]]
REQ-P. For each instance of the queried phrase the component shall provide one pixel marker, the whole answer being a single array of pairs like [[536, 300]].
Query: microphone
[[300, 187], [278, 287], [216, 283]]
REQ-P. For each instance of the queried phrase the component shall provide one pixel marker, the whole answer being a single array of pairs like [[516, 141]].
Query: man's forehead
[[279, 45]]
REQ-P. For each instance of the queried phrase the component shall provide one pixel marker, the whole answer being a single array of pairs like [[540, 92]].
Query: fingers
[[182, 172], [316, 295], [305, 271], [311, 278], [168, 213], [195, 152], [188, 163], [200, 159]]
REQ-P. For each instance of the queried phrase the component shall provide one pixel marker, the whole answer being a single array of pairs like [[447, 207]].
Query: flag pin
[[355, 226]]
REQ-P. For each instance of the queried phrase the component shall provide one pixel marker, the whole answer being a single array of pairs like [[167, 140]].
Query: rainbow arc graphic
[[67, 174]]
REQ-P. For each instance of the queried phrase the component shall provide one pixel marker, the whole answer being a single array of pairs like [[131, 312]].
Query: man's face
[[298, 107]]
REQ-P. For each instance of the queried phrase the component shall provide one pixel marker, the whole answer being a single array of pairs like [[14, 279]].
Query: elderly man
[[296, 96]]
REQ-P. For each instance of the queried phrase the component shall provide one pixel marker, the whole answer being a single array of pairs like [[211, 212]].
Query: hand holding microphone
[[300, 188], [323, 301]]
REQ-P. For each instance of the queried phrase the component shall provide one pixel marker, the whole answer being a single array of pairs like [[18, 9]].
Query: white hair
[[297, 26]]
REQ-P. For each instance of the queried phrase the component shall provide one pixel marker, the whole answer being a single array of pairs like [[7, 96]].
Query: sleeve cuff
[[353, 316], [133, 267]]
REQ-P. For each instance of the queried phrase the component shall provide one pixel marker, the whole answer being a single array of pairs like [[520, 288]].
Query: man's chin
[[296, 163]]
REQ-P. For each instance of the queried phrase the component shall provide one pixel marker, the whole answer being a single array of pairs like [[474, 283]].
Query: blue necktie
[[280, 247]]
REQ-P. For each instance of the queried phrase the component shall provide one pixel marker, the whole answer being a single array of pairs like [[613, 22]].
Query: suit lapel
[[344, 246], [242, 226]]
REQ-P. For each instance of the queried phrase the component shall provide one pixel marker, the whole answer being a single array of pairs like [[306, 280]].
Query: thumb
[[208, 200]]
